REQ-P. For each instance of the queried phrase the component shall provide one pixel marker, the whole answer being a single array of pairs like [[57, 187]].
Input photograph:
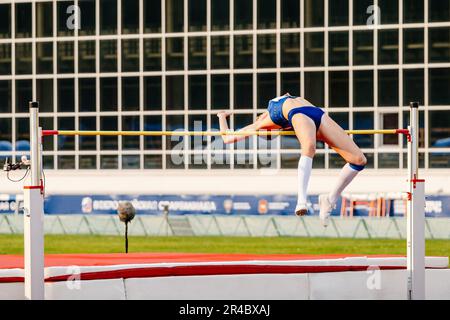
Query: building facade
[[173, 64]]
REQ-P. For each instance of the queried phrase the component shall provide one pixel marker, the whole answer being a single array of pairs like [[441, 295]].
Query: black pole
[[126, 237]]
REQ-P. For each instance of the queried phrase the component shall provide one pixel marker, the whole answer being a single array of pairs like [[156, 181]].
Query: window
[[65, 57], [5, 59], [220, 15], [24, 60], [341, 118], [197, 15], [174, 15], [175, 92], [44, 94], [243, 91], [413, 11], [290, 83], [152, 123], [388, 46], [130, 16], [47, 123], [44, 19], [109, 162], [197, 53], [152, 54], [130, 55], [23, 20], [66, 95], [314, 49], [220, 52], [153, 161], [267, 44], [175, 54], [66, 142], [413, 86], [108, 16], [363, 121], [243, 14], [108, 94], [87, 95], [389, 121], [290, 50], [24, 95], [87, 162], [152, 16], [438, 87], [314, 13], [338, 50], [388, 88], [220, 91], [290, 13], [363, 88], [87, 142], [5, 96], [44, 56], [439, 10], [197, 92], [130, 123], [413, 45], [87, 7], [338, 89], [5, 21], [152, 93], [439, 44], [243, 51], [108, 56], [66, 162], [314, 87], [439, 129], [388, 160], [338, 13], [267, 88], [131, 161], [362, 47], [267, 12], [108, 123], [174, 122], [130, 93], [389, 11], [86, 56]]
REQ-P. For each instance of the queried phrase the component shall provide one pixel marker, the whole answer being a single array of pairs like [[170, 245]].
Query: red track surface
[[16, 261]]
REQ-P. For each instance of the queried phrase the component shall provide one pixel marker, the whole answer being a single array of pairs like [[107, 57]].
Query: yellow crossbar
[[204, 133]]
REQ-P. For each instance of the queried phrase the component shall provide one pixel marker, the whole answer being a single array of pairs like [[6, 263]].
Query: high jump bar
[[34, 199], [204, 133]]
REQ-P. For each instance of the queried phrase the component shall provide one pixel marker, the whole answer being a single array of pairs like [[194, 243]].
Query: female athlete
[[310, 124]]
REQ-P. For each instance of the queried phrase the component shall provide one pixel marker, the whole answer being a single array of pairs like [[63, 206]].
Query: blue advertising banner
[[436, 206]]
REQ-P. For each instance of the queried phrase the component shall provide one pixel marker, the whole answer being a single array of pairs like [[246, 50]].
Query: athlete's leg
[[331, 133], [305, 130]]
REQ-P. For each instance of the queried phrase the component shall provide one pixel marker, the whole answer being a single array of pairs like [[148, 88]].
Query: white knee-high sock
[[304, 172], [346, 176]]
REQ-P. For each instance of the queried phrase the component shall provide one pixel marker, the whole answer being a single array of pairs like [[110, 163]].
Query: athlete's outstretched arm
[[227, 139]]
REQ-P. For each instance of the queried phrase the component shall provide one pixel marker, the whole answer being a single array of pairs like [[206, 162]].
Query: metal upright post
[[415, 214], [34, 214]]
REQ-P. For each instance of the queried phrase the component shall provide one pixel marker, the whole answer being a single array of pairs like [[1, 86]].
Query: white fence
[[219, 225]]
